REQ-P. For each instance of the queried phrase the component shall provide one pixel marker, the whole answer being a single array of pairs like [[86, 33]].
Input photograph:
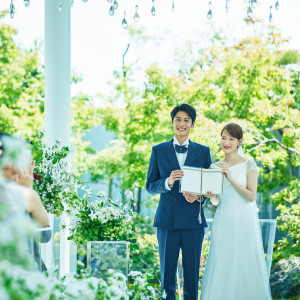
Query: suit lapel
[[171, 156], [191, 154]]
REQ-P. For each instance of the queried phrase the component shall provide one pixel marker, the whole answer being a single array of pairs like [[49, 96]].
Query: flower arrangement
[[142, 290], [103, 220], [57, 186], [115, 287]]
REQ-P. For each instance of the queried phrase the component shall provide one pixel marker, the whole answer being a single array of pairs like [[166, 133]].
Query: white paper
[[212, 180], [190, 182]]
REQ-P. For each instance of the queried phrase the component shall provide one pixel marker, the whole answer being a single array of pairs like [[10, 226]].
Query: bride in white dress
[[236, 267]]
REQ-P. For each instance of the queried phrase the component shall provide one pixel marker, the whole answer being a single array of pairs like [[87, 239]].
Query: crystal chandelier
[[113, 6]]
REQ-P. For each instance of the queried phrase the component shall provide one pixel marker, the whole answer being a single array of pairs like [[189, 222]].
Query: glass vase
[[103, 256]]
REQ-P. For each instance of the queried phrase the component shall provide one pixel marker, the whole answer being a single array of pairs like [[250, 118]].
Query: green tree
[[252, 82], [21, 86], [22, 97]]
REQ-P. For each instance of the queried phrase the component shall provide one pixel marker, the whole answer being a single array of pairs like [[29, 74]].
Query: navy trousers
[[170, 242]]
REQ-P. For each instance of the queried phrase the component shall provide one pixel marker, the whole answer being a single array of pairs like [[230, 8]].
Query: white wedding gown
[[236, 267]]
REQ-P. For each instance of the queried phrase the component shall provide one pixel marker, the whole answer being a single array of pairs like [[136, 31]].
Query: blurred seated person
[[16, 167]]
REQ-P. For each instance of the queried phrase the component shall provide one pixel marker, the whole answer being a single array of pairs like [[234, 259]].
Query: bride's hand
[[227, 173], [213, 198], [209, 195]]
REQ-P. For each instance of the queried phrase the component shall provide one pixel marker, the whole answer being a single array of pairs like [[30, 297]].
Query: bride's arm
[[249, 192]]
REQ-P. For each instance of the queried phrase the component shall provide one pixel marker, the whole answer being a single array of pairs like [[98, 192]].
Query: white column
[[57, 92]]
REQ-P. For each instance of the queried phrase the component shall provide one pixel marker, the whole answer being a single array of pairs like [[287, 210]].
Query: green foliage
[[103, 220], [250, 82], [285, 279], [287, 201], [57, 186], [22, 96], [21, 86], [141, 287], [145, 256]]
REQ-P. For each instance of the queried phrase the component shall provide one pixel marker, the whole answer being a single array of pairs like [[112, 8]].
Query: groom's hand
[[189, 197], [175, 175]]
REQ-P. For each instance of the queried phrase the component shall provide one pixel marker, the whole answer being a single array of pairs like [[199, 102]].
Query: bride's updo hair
[[234, 130]]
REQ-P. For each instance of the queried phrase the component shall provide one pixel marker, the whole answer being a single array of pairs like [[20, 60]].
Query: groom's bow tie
[[180, 149]]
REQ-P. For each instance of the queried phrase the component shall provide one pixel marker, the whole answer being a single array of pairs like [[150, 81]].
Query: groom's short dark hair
[[190, 110]]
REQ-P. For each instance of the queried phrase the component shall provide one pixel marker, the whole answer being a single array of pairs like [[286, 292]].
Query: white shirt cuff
[[168, 188]]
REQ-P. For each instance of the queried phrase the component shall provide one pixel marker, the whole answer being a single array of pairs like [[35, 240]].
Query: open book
[[200, 181]]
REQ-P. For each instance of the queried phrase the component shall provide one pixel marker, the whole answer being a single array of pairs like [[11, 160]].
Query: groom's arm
[[155, 184]]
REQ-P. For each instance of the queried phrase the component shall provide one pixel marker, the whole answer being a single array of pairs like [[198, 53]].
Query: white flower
[[101, 194], [151, 290], [129, 194], [93, 215], [135, 273]]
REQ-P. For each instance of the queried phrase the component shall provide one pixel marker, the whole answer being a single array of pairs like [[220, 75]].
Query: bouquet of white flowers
[[56, 185], [102, 220]]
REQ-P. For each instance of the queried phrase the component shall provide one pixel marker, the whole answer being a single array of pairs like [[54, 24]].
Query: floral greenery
[[288, 221], [144, 255], [285, 279], [18, 279], [142, 290], [102, 220], [58, 187], [115, 287]]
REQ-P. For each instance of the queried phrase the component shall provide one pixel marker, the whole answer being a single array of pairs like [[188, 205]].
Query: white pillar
[[57, 92]]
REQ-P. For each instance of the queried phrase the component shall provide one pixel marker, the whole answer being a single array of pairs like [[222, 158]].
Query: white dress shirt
[[181, 157]]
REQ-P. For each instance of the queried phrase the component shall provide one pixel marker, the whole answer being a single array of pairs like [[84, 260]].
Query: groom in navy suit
[[177, 217]]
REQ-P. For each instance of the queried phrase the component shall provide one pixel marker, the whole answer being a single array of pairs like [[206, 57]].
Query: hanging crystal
[[60, 6], [253, 3], [173, 5], [72, 3], [209, 14], [111, 10], [26, 3], [249, 11], [270, 15], [136, 16], [277, 5], [153, 8], [116, 4], [226, 6], [84, 0], [12, 9], [110, 1], [124, 21]]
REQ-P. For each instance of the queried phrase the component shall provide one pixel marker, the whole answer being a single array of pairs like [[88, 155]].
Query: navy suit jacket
[[173, 211]]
